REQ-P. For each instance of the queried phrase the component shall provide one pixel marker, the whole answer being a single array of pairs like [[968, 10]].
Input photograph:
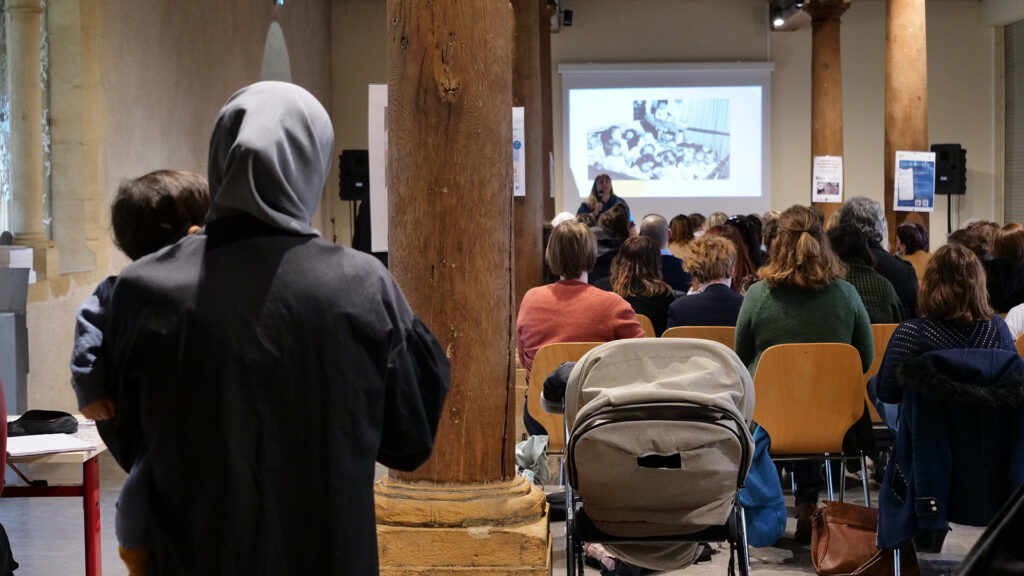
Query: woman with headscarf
[[261, 370]]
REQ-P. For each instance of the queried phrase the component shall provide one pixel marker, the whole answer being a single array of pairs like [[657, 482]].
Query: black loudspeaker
[[950, 169], [354, 175]]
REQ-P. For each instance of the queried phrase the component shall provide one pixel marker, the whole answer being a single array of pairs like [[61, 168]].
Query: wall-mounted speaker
[[354, 175], [950, 169]]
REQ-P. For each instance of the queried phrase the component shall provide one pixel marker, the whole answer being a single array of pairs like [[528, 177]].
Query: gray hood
[[270, 152]]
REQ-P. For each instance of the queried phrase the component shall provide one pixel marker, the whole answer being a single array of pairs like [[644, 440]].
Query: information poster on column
[[518, 153], [914, 181], [827, 179], [377, 153]]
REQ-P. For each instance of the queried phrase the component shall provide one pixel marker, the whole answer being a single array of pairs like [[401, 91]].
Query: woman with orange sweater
[[570, 310]]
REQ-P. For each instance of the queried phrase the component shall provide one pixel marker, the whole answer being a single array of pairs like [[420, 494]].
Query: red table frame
[[89, 491]]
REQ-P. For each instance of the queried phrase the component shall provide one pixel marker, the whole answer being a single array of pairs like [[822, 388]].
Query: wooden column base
[[498, 529]]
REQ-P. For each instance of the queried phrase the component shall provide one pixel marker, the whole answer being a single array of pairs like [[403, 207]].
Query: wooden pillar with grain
[[826, 84], [528, 210], [906, 95], [450, 207], [549, 11]]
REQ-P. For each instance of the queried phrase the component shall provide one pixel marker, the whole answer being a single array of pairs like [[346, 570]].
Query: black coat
[[673, 273], [261, 374], [717, 305], [900, 274]]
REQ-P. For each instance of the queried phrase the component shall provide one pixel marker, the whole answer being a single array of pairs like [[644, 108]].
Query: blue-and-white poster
[[914, 181]]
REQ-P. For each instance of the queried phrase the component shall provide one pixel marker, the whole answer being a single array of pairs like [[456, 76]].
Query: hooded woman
[[262, 370]]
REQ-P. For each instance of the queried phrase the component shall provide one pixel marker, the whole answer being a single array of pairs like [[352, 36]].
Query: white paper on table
[[45, 444]]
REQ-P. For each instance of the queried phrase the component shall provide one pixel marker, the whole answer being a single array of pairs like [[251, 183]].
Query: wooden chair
[[724, 334], [548, 358], [1020, 344], [647, 325], [808, 396], [881, 334]]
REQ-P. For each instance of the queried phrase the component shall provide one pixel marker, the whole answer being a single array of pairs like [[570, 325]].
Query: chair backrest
[[808, 396], [881, 334], [647, 325], [548, 358], [722, 334], [1020, 344]]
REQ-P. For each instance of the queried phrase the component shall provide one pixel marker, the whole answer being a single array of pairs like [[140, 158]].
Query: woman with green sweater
[[801, 298]]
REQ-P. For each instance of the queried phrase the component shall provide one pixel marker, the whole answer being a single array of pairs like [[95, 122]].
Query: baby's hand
[[102, 409]]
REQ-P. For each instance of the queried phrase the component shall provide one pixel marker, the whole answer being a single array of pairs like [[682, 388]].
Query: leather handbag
[[843, 543]]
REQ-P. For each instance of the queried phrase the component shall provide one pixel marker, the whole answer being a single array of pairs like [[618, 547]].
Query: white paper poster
[[378, 155], [827, 179], [518, 152], [914, 182]]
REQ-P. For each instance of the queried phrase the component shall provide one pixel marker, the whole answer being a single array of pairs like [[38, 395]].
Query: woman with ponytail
[[801, 297]]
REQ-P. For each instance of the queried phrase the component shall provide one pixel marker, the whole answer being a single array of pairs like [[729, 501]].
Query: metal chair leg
[[896, 562], [842, 480], [828, 479], [744, 551], [864, 479]]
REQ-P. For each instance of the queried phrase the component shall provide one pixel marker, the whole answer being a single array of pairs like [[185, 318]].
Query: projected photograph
[[678, 140]]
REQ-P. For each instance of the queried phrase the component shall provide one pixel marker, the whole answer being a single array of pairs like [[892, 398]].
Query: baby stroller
[[658, 445]]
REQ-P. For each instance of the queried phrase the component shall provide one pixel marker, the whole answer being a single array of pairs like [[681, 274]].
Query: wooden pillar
[[906, 94], [528, 211], [545, 89], [826, 83], [450, 204], [26, 142]]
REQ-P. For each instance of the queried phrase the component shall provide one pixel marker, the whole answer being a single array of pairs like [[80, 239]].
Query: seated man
[[655, 227]]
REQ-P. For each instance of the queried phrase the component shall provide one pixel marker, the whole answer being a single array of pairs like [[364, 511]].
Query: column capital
[[30, 6], [822, 10]]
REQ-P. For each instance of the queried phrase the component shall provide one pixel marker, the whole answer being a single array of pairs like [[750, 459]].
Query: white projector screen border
[[698, 196]]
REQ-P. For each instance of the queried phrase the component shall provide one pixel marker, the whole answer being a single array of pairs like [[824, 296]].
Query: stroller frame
[[580, 529]]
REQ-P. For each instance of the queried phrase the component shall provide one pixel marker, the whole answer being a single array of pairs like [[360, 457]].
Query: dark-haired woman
[[879, 297], [636, 276], [955, 315]]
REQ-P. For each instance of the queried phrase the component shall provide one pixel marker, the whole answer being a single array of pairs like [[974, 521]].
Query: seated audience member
[[801, 298], [697, 221], [602, 198], [1004, 273], [771, 228], [261, 370], [148, 213], [974, 240], [877, 294], [715, 219], [654, 227], [744, 273], [611, 231], [868, 215], [709, 259], [955, 315], [749, 228], [832, 220], [570, 310], [680, 234], [988, 230], [1015, 321], [636, 276], [912, 246]]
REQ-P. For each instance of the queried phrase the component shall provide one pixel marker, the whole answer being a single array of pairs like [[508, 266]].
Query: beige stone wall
[[139, 84], [358, 39]]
